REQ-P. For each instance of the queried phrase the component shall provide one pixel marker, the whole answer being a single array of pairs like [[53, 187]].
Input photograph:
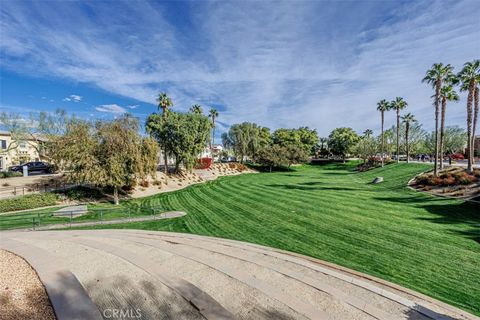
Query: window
[[3, 144], [23, 145]]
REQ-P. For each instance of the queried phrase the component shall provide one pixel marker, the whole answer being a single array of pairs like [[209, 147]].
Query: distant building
[[16, 152]]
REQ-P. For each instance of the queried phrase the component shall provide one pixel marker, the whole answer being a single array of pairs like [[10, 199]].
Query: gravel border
[[22, 295]]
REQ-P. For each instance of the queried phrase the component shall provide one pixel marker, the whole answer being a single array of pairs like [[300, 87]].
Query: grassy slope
[[428, 244]]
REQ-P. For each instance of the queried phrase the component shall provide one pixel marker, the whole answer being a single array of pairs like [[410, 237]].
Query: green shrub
[[30, 201], [9, 174], [82, 193]]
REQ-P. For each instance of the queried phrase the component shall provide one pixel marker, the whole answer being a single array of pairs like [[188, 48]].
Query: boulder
[[377, 180]]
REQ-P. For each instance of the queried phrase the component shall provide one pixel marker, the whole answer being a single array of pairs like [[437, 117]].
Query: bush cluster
[[372, 163], [9, 174], [30, 201], [82, 193], [446, 179]]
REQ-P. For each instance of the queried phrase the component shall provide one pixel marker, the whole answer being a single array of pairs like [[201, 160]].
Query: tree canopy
[[105, 153], [342, 141], [182, 135]]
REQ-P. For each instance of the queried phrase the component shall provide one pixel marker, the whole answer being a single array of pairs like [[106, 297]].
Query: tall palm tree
[[397, 105], [196, 108], [164, 103], [408, 120], [447, 93], [366, 135], [475, 119], [436, 76], [323, 142], [469, 77], [383, 106], [213, 114]]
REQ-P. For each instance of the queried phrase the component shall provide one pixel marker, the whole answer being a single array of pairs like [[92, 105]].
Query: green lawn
[[419, 241]]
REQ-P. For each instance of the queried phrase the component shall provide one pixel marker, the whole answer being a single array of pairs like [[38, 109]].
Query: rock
[[377, 180]]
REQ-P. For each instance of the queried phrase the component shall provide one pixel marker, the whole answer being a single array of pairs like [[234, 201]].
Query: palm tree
[[323, 142], [436, 76], [383, 106], [196, 108], [475, 119], [446, 94], [164, 102], [366, 135], [470, 77], [408, 119], [214, 115], [397, 105]]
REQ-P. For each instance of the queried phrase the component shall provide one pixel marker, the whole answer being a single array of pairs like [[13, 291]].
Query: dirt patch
[[166, 183], [22, 295]]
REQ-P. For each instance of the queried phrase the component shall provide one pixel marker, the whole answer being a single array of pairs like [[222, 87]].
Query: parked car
[[37, 166], [228, 159], [457, 156]]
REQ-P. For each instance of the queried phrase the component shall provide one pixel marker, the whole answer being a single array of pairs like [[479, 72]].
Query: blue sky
[[322, 64]]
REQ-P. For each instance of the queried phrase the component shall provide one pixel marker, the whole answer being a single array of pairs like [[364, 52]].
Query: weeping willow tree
[[246, 139]]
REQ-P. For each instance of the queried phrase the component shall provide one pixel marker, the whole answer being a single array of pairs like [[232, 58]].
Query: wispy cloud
[[111, 108], [73, 98], [323, 64]]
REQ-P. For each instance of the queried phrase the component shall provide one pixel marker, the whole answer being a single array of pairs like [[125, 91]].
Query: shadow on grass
[[310, 186], [448, 212]]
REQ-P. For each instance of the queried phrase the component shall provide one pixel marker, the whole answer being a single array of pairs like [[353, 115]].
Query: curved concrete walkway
[[160, 275]]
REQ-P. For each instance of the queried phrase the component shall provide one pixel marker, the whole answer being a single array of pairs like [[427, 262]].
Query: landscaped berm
[[425, 245]]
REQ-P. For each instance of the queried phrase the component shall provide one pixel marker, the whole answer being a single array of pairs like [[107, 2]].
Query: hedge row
[[31, 201]]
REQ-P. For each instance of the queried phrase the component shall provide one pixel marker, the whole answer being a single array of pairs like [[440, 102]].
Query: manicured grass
[[416, 240], [96, 212], [419, 241]]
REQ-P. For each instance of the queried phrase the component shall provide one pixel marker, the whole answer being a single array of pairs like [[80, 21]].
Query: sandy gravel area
[[166, 183], [22, 295]]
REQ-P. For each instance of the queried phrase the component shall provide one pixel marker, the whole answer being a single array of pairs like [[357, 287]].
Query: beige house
[[16, 152]]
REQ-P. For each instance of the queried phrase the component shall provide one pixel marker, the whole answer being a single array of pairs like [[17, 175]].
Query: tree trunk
[[213, 133], [442, 130], [407, 128], [165, 159], [383, 139], [437, 107], [164, 110], [116, 201], [364, 152], [474, 124], [471, 91], [398, 135]]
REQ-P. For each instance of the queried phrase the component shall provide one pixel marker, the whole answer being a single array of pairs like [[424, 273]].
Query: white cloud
[[322, 64], [133, 106], [111, 108], [73, 98]]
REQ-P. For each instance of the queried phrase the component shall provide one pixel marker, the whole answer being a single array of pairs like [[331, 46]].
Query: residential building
[[16, 152]]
